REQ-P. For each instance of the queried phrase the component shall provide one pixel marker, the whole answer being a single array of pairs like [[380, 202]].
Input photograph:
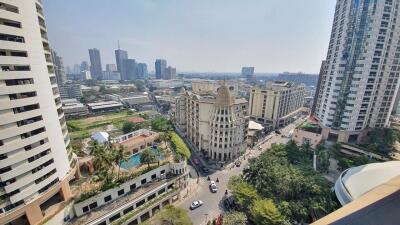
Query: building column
[[65, 190], [34, 213]]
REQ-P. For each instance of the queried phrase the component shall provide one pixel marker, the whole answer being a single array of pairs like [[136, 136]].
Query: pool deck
[[138, 143]]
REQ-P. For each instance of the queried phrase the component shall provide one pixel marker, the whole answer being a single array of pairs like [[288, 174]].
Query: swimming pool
[[134, 161]]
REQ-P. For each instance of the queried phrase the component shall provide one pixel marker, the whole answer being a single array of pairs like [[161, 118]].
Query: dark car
[[205, 169], [278, 132]]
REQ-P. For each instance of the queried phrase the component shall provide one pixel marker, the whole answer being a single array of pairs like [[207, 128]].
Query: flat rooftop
[[99, 105]]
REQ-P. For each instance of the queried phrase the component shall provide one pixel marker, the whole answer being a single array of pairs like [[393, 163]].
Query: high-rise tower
[[360, 76], [95, 64], [35, 160], [59, 68], [120, 56], [161, 66]]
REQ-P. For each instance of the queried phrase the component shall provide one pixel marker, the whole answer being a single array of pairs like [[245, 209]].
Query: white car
[[213, 187], [196, 204]]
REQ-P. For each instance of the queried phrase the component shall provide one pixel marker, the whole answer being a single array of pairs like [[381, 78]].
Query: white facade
[[33, 132], [359, 78], [211, 86]]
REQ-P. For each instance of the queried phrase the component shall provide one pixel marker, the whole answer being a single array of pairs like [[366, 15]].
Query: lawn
[[83, 128]]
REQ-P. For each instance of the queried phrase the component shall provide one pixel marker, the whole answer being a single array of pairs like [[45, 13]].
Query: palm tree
[[121, 155], [158, 153], [147, 156], [164, 137]]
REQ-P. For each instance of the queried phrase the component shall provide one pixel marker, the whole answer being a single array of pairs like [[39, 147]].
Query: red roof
[[136, 120]]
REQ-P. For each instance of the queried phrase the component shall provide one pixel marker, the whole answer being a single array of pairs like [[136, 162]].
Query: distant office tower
[[161, 65], [129, 68], [111, 67], [277, 104], [170, 73], [248, 72], [77, 68], [360, 78], [111, 75], [299, 78], [59, 68], [36, 163], [95, 64], [84, 66], [120, 56], [68, 70], [142, 71]]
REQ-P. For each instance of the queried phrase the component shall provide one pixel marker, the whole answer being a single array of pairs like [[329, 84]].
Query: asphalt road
[[213, 205]]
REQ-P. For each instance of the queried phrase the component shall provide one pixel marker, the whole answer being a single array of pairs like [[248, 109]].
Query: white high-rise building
[[360, 77], [35, 165]]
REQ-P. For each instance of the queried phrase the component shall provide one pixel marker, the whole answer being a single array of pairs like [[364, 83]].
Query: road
[[212, 206]]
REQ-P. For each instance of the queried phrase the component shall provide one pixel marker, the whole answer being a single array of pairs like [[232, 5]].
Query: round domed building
[[215, 123]]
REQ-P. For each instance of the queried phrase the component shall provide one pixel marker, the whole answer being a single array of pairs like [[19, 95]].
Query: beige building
[[36, 163], [277, 104], [215, 124], [211, 86]]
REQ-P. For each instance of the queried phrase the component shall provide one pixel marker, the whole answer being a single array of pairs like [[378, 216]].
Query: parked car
[[205, 169], [213, 187], [196, 204]]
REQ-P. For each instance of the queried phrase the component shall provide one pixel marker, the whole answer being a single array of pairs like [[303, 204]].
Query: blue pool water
[[134, 161]]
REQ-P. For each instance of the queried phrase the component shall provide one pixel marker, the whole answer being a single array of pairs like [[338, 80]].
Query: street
[[213, 205]]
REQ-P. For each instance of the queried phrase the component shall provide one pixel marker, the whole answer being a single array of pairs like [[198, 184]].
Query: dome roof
[[356, 181], [224, 96]]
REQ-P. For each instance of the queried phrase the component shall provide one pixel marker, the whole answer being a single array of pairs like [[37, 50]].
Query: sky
[[195, 35]]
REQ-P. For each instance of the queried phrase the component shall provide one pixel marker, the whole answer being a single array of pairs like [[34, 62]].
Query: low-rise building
[[255, 131], [101, 107], [73, 108], [277, 104], [139, 102], [165, 83], [70, 90], [137, 141], [111, 75], [211, 86], [214, 124]]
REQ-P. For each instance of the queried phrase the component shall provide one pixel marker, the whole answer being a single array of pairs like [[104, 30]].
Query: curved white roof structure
[[355, 182], [100, 137]]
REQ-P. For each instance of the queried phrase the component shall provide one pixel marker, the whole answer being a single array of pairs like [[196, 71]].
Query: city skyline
[[218, 39]]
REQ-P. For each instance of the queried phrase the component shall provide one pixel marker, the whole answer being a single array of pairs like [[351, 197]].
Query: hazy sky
[[195, 35]]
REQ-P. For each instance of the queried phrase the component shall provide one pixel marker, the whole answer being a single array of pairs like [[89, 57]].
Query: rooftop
[[99, 105], [355, 182], [136, 120]]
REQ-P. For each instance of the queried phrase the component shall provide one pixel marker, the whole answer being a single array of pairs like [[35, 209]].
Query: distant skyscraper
[[77, 68], [59, 68], [129, 67], [360, 77], [161, 65], [120, 56], [248, 72], [68, 70], [142, 71], [95, 64], [111, 67], [170, 73], [36, 162], [84, 66]]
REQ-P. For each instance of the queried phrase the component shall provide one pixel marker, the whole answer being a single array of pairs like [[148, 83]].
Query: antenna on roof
[[119, 47]]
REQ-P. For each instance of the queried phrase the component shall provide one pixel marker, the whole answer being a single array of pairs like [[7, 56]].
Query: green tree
[[77, 147], [323, 161], [179, 146], [235, 218], [121, 155], [264, 212], [170, 215], [127, 127], [243, 193], [161, 124], [103, 159], [147, 156], [164, 137], [139, 85]]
